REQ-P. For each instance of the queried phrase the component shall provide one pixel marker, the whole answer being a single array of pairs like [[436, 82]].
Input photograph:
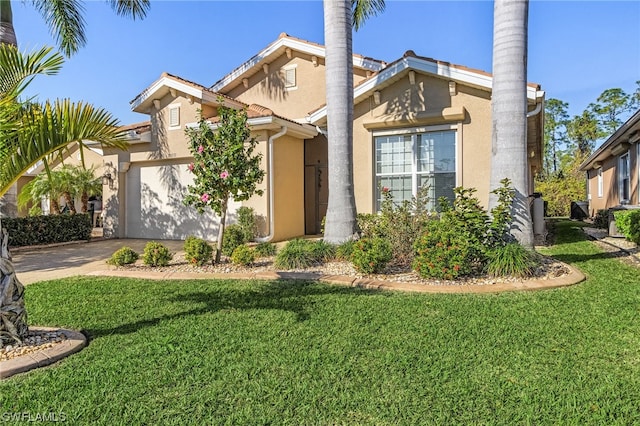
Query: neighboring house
[[70, 156], [417, 121], [613, 170]]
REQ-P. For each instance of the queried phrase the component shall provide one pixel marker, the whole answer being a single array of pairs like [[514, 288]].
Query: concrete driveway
[[48, 263]]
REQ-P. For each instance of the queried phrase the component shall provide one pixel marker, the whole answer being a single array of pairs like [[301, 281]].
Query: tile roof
[[142, 127]]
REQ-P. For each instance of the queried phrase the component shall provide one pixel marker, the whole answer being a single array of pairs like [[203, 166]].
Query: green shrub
[[243, 255], [322, 251], [156, 254], [234, 236], [300, 254], [398, 223], [247, 223], [371, 255], [444, 252], [197, 251], [266, 249], [123, 256], [628, 224], [50, 229], [601, 219], [344, 250], [511, 260]]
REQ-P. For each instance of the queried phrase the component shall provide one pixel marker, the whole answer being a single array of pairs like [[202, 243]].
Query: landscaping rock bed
[[548, 269], [35, 341]]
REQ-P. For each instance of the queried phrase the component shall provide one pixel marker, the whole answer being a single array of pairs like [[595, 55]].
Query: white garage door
[[154, 207]]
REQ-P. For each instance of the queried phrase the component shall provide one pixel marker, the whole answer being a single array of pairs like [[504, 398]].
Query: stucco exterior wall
[[268, 89], [288, 193], [611, 187], [425, 104], [260, 203]]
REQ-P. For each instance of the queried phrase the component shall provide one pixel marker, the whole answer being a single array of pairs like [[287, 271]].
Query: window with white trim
[[409, 161], [600, 184], [624, 178], [289, 77], [174, 116]]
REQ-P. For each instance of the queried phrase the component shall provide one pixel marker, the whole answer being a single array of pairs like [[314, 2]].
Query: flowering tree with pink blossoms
[[224, 165]]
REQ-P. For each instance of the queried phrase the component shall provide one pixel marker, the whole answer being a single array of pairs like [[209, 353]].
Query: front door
[[316, 196]]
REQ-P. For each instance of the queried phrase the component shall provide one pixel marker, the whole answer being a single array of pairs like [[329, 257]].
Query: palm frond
[[135, 9], [365, 9], [66, 22], [51, 127], [17, 69]]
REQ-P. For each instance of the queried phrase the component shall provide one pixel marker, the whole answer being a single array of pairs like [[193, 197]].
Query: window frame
[[171, 108], [286, 69], [625, 157], [600, 183], [415, 173]]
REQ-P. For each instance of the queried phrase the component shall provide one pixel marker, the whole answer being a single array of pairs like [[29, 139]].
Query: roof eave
[[603, 152], [275, 48], [480, 80], [164, 84]]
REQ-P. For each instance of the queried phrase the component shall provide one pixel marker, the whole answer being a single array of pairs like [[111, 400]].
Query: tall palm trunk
[[13, 315], [340, 223], [7, 34], [509, 111]]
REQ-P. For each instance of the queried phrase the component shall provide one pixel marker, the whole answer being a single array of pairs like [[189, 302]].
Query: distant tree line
[[568, 141]]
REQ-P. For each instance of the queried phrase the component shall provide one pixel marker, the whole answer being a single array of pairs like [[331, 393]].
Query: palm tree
[[339, 16], [66, 21], [509, 111], [29, 133], [86, 184]]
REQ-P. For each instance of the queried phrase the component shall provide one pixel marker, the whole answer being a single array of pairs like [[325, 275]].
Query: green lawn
[[242, 352]]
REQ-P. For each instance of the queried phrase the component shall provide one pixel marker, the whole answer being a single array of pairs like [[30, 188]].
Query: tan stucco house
[[417, 121], [613, 170]]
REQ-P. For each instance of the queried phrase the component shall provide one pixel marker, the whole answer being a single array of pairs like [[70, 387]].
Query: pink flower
[[385, 189], [224, 174], [205, 198], [190, 167], [200, 149]]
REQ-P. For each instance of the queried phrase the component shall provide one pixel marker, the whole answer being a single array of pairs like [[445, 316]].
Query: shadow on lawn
[[574, 258], [297, 297]]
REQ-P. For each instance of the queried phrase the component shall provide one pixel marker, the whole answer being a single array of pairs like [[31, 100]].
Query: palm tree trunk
[[341, 211], [7, 34], [68, 199], [509, 111], [84, 199], [13, 315]]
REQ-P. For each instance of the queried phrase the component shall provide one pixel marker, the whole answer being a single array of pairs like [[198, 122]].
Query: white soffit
[[187, 89]]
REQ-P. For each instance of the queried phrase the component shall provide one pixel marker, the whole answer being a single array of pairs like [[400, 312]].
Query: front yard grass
[[247, 352]]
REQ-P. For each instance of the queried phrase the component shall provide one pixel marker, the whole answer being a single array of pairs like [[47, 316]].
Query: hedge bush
[[628, 223], [371, 255], [197, 251], [123, 256], [243, 255], [50, 229], [234, 236], [156, 254]]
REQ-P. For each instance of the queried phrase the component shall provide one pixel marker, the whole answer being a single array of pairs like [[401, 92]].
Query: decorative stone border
[[75, 342], [573, 277]]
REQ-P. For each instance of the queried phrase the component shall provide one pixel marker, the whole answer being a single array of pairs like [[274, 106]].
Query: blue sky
[[577, 49]]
